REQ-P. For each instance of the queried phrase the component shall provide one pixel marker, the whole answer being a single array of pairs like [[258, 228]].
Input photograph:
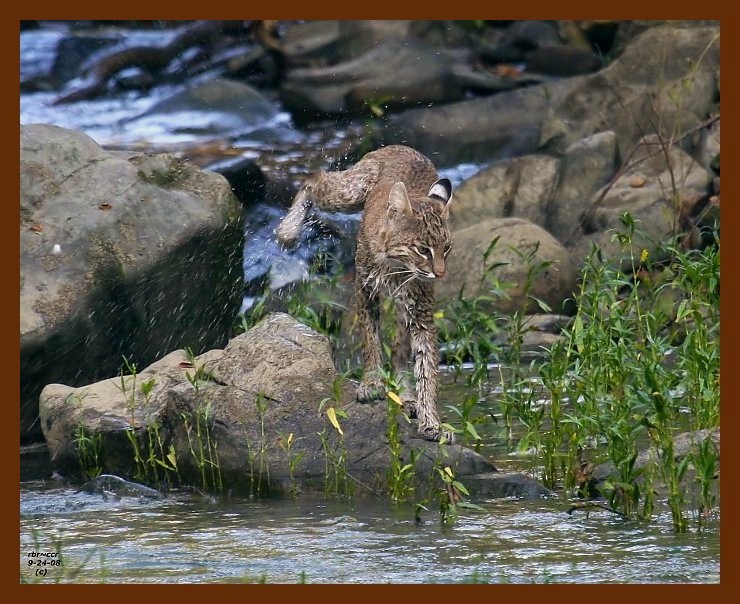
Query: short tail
[[291, 226]]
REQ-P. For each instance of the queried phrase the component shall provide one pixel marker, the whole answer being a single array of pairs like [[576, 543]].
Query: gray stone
[[709, 147], [394, 73], [666, 76], [646, 190], [519, 187], [215, 106], [518, 238], [586, 166], [495, 127], [263, 400], [115, 250]]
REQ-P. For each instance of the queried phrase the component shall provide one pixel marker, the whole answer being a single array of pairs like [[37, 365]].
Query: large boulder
[[519, 187], [394, 73], [321, 43], [585, 167], [120, 254], [253, 417], [521, 249], [495, 127], [653, 188], [666, 77]]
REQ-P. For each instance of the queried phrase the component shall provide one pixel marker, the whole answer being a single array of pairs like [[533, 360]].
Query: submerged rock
[[253, 418]]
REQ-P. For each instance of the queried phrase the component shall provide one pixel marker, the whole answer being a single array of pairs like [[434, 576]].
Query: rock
[[585, 167], [494, 127], [563, 61], [527, 35], [519, 187], [73, 51], [518, 238], [115, 249], [214, 106], [262, 406], [627, 31], [665, 76], [682, 446], [393, 73], [322, 43], [709, 148], [645, 191]]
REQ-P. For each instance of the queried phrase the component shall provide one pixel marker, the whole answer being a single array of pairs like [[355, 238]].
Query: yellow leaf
[[394, 397], [290, 438], [332, 415], [440, 314], [448, 470]]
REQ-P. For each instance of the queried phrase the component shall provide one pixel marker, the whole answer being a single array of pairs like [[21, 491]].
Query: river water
[[187, 538]]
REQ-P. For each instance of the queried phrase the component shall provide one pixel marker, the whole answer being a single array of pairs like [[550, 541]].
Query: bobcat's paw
[[370, 391], [435, 433], [409, 406]]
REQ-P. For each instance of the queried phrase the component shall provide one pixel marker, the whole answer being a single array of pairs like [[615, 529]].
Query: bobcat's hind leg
[[400, 355], [371, 387]]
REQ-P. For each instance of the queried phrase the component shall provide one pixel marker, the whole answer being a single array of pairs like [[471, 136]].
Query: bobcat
[[402, 246]]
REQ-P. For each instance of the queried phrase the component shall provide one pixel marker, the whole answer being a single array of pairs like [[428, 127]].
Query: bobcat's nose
[[440, 271]]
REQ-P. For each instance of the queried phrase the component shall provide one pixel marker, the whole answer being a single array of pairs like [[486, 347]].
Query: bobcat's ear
[[398, 199], [442, 190]]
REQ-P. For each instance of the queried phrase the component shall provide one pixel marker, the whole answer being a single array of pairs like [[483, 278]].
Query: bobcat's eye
[[448, 249], [425, 252]]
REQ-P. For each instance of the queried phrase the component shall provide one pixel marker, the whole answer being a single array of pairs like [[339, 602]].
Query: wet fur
[[402, 247]]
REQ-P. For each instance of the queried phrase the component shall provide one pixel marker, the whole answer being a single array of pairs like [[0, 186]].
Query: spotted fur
[[402, 248]]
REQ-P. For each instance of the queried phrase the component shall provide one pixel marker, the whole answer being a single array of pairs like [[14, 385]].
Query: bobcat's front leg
[[426, 361], [368, 318]]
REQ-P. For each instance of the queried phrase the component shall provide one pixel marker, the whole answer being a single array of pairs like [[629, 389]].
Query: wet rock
[[263, 394], [641, 88], [73, 51], [108, 483], [495, 127], [212, 106], [517, 240], [115, 249], [519, 187]]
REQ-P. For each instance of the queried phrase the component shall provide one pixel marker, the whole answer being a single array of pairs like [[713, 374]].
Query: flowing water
[[186, 538], [199, 540]]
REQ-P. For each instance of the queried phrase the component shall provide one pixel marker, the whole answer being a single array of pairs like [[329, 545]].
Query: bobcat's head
[[417, 238]]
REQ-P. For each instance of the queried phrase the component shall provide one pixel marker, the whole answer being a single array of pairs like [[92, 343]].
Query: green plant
[[203, 448], [610, 387], [704, 459], [286, 444], [89, 448], [337, 481]]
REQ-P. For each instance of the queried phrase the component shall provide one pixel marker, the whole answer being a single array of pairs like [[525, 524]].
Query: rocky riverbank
[[133, 254]]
